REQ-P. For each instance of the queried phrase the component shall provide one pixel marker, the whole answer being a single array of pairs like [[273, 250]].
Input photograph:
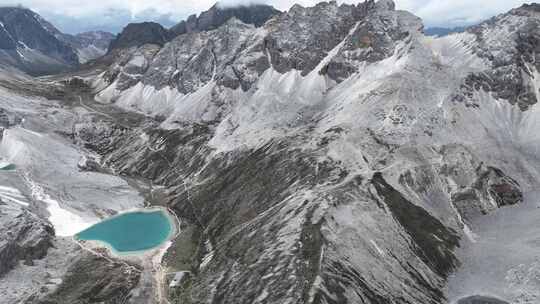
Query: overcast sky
[[80, 15]]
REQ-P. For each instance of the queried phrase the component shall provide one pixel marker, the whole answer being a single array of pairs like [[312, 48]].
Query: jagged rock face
[[511, 43], [301, 38], [372, 40], [202, 57], [92, 279], [130, 65], [216, 16], [236, 55], [138, 34], [26, 237], [8, 43]]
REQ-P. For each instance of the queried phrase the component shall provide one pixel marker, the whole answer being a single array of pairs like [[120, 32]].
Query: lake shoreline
[[93, 245]]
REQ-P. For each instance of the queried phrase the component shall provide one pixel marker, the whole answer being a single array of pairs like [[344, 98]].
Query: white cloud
[[457, 12], [434, 12]]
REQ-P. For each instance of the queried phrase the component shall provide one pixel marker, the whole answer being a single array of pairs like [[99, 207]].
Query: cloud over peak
[[112, 13]]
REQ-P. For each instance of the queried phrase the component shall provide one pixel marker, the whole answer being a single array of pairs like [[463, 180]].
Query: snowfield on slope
[[47, 163]]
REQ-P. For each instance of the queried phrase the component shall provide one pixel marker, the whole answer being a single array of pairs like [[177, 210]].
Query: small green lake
[[130, 232], [7, 167]]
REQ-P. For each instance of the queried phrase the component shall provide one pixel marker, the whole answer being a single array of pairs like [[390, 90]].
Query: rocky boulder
[[26, 237], [93, 279]]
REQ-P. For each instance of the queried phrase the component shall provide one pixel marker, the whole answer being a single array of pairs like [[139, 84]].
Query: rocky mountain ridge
[[256, 14], [33, 45], [139, 34]]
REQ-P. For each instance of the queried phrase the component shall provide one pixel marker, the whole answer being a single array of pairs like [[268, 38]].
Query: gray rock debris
[[25, 237]]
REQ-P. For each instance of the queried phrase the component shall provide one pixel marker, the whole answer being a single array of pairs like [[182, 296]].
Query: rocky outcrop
[[26, 237], [217, 15], [202, 57], [93, 279], [138, 34], [236, 54], [475, 189], [372, 39], [130, 65], [435, 242], [302, 45], [510, 42]]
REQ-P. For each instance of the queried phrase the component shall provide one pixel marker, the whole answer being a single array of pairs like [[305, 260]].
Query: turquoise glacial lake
[[7, 167], [133, 231]]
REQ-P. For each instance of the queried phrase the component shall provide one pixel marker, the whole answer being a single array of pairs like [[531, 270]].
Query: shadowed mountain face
[[137, 34], [32, 44]]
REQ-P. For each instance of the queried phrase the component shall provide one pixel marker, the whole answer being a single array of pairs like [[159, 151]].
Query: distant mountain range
[[89, 45], [35, 46], [443, 31]]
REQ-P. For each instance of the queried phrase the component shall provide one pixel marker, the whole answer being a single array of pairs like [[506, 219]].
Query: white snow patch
[[137, 61], [209, 255], [149, 100], [65, 223], [13, 195], [264, 294], [379, 250], [198, 106], [109, 94], [177, 279], [469, 233]]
